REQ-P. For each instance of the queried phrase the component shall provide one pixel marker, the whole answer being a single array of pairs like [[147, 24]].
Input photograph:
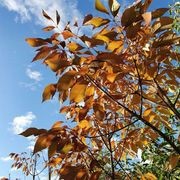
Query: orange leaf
[[35, 42], [43, 142], [67, 34], [66, 81], [77, 93], [49, 92], [147, 18], [48, 28], [84, 124]]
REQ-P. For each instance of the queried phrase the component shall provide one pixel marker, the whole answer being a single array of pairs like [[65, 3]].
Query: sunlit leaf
[[43, 142], [35, 42], [66, 81], [147, 17], [114, 7], [49, 92], [100, 7], [84, 124], [97, 22], [77, 93]]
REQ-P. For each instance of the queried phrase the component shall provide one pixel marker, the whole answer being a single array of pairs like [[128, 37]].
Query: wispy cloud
[[5, 159], [31, 9], [34, 75], [22, 122]]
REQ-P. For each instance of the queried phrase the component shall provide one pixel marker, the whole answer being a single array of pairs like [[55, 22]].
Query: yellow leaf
[[84, 124], [148, 176], [97, 22], [35, 42], [114, 7], [115, 45], [49, 92], [89, 91], [74, 46], [66, 148], [100, 7], [111, 77], [77, 93], [102, 38], [147, 112]]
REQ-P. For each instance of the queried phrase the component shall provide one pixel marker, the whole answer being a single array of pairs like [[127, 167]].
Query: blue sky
[[22, 82]]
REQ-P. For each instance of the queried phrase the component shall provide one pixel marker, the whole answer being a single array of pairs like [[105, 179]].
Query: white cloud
[[5, 159], [21, 122], [31, 142], [34, 75], [32, 9]]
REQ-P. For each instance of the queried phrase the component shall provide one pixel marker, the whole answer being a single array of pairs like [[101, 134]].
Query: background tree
[[119, 81]]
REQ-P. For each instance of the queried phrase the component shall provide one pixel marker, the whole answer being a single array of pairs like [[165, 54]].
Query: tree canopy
[[118, 79]]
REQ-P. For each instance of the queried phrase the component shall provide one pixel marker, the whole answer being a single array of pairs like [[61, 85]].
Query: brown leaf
[[87, 18], [48, 28], [46, 15], [35, 42], [100, 7], [159, 12], [43, 142], [42, 54], [66, 80], [52, 149], [57, 17], [49, 92], [95, 175], [57, 61], [128, 16], [33, 131], [99, 111], [145, 5]]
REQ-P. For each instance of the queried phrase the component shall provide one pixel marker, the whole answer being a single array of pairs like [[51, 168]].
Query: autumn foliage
[[118, 78]]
